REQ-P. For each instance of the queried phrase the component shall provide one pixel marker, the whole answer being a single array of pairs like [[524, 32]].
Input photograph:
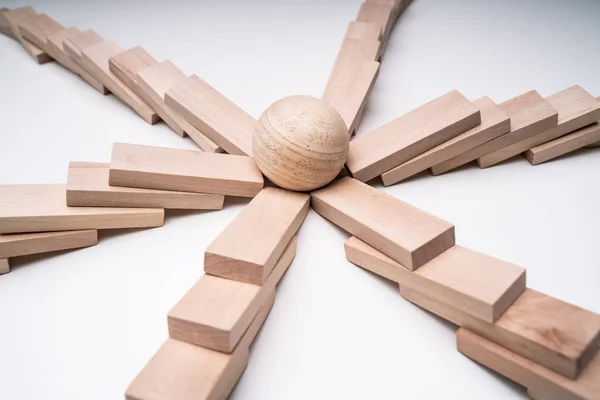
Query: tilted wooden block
[[474, 283], [43, 208], [379, 14], [154, 82], [213, 114], [5, 26], [251, 244], [37, 28], [576, 108], [87, 186], [550, 332], [493, 124], [363, 30], [185, 170], [22, 244], [529, 374], [564, 145], [18, 16], [364, 49], [404, 233], [216, 311], [4, 266], [75, 44], [410, 135]]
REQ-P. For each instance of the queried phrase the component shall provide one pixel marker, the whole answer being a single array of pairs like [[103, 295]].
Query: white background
[[82, 324]]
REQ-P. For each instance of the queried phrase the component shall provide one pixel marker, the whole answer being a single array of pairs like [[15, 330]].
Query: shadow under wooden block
[[564, 145], [16, 245]]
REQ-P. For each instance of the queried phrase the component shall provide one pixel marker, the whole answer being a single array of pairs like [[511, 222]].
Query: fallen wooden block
[[576, 108], [249, 247], [87, 186], [474, 283], [404, 233], [216, 311], [410, 135], [183, 371], [23, 244], [213, 114], [379, 14], [37, 28], [4, 266], [493, 124], [43, 208], [154, 82], [5, 26], [564, 145], [364, 49], [75, 44], [529, 374], [550, 332], [363, 31], [529, 115], [15, 18], [151, 167]]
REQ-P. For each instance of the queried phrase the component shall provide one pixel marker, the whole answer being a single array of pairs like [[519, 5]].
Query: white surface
[[82, 324]]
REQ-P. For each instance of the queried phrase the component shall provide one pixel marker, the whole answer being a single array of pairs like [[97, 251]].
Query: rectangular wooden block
[[43, 208], [379, 14], [474, 283], [364, 49], [87, 186], [529, 374], [550, 332], [185, 170], [493, 124], [23, 244], [363, 30], [576, 109], [154, 82], [410, 135], [4, 266], [213, 114], [37, 28], [15, 18], [75, 44], [5, 26], [564, 145], [216, 311], [404, 233], [251, 244]]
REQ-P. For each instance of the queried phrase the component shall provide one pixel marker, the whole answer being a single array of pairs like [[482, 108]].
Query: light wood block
[[23, 244], [379, 14], [474, 283], [529, 115], [43, 208], [216, 311], [75, 44], [87, 186], [364, 49], [151, 167], [183, 371], [37, 28], [576, 109], [154, 82], [550, 332], [249, 247], [5, 26], [529, 374], [213, 114], [493, 124], [4, 266], [564, 145], [363, 31], [410, 135], [15, 18], [404, 233]]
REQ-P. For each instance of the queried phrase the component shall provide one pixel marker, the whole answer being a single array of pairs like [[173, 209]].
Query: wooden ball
[[300, 143]]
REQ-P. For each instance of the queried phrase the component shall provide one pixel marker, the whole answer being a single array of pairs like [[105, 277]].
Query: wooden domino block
[[230, 127], [87, 186], [216, 311], [363, 31], [75, 44], [529, 374], [364, 49], [249, 247], [379, 14], [154, 82], [22, 244], [5, 26], [550, 332], [410, 135], [37, 29], [43, 208], [529, 115], [474, 283], [564, 145], [184, 170], [493, 124], [4, 266], [404, 233], [14, 18], [576, 109]]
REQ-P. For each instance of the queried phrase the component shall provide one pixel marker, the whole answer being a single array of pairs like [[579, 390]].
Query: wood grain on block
[[154, 82], [576, 109], [37, 29], [22, 244], [564, 145], [151, 167], [529, 115], [183, 371], [363, 30], [527, 373], [15, 18], [474, 283], [87, 186], [379, 14], [75, 44], [408, 235], [213, 114], [5, 26], [43, 208], [493, 124], [251, 244], [95, 60], [412, 134], [550, 332], [217, 311], [4, 266], [364, 49]]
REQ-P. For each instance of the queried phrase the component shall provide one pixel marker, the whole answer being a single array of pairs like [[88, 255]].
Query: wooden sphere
[[300, 143]]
